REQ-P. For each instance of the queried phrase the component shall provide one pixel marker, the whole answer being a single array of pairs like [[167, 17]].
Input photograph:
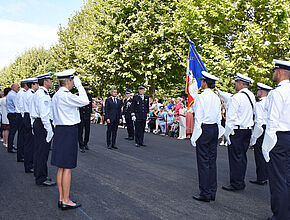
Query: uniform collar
[[283, 82], [63, 89], [244, 89], [45, 89]]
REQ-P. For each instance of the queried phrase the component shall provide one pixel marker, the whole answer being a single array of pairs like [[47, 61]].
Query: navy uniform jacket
[[85, 111], [127, 107], [113, 110], [140, 108]]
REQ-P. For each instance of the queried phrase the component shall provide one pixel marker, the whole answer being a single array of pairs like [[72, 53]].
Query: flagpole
[[186, 35]]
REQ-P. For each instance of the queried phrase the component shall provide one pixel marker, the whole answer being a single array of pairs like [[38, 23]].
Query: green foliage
[[124, 43]]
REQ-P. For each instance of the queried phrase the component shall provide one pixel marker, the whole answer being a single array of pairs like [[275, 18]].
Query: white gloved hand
[[134, 118], [49, 136], [77, 82]]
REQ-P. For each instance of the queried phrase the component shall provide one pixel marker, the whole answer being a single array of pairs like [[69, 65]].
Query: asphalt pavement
[[152, 182]]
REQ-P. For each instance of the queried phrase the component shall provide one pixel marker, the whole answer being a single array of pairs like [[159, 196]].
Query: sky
[[31, 23]]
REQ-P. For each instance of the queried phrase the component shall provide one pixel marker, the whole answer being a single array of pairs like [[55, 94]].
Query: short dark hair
[[245, 84], [29, 84], [41, 82], [210, 83], [6, 91], [22, 84]]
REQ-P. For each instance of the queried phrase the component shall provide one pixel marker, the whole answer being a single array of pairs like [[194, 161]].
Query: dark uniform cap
[[141, 87], [281, 64]]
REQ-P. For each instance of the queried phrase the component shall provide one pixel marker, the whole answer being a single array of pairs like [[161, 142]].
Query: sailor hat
[[281, 64], [264, 87], [67, 74], [141, 87], [127, 92], [241, 77], [208, 76], [44, 76], [31, 80]]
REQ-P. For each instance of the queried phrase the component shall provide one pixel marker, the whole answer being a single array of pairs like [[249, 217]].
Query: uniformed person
[[41, 118], [207, 119], [140, 109], [32, 84], [65, 108], [240, 110], [20, 114], [127, 110], [258, 134], [85, 115], [275, 147]]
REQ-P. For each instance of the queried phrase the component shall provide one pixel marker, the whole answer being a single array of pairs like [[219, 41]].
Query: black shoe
[[29, 171], [20, 160], [127, 138], [59, 204], [212, 198], [82, 150], [48, 183], [230, 188], [109, 147], [143, 145], [67, 207], [137, 145], [200, 198], [258, 182], [12, 151], [86, 147], [114, 147], [131, 139]]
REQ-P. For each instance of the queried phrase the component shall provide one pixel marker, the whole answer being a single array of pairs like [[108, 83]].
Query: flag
[[193, 74]]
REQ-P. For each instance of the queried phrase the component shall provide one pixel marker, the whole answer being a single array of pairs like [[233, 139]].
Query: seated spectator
[[169, 104], [168, 120]]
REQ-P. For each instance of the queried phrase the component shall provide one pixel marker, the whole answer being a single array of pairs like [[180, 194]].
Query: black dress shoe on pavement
[[258, 182], [59, 204], [20, 160], [13, 151], [127, 138], [67, 207], [114, 147], [82, 150], [29, 171], [86, 147], [230, 188], [48, 183], [137, 145], [109, 147], [131, 139], [143, 145], [200, 198]]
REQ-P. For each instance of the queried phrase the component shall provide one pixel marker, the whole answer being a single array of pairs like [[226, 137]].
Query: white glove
[[49, 136], [77, 82], [134, 118]]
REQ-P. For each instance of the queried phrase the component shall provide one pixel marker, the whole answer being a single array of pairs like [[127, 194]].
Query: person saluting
[[65, 109]]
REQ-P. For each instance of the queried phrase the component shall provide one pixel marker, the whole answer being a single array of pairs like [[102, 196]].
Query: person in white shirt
[[5, 121], [207, 118], [41, 118], [258, 134], [32, 84], [65, 108], [239, 123], [275, 147], [20, 113]]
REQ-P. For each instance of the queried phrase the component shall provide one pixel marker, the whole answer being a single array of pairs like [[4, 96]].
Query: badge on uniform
[[46, 102]]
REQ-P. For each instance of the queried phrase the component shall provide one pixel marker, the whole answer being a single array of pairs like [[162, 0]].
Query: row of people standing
[[38, 119], [270, 136]]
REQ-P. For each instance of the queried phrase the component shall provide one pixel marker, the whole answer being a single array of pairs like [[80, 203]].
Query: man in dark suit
[[127, 110], [85, 115], [140, 109], [113, 116]]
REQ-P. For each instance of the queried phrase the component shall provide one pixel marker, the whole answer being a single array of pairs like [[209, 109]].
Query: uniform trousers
[[12, 117], [237, 152], [206, 154], [261, 165], [20, 137], [84, 124], [139, 130], [279, 177], [130, 127], [28, 142], [41, 152], [112, 128]]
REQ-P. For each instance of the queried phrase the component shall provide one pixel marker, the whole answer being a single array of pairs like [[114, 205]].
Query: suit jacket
[[140, 108], [113, 110], [127, 107]]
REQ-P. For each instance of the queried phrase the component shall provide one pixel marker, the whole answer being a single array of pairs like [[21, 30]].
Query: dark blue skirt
[[65, 146]]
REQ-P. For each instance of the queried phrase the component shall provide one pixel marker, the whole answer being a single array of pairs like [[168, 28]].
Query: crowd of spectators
[[170, 118]]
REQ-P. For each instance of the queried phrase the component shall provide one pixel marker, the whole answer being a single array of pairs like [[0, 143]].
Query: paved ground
[[155, 182]]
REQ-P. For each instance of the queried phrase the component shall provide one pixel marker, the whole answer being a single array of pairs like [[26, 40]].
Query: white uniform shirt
[[65, 106], [207, 110], [27, 98], [19, 101], [3, 111], [41, 108], [278, 118], [239, 110]]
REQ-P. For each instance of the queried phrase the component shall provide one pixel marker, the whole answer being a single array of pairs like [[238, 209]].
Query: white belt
[[240, 127]]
